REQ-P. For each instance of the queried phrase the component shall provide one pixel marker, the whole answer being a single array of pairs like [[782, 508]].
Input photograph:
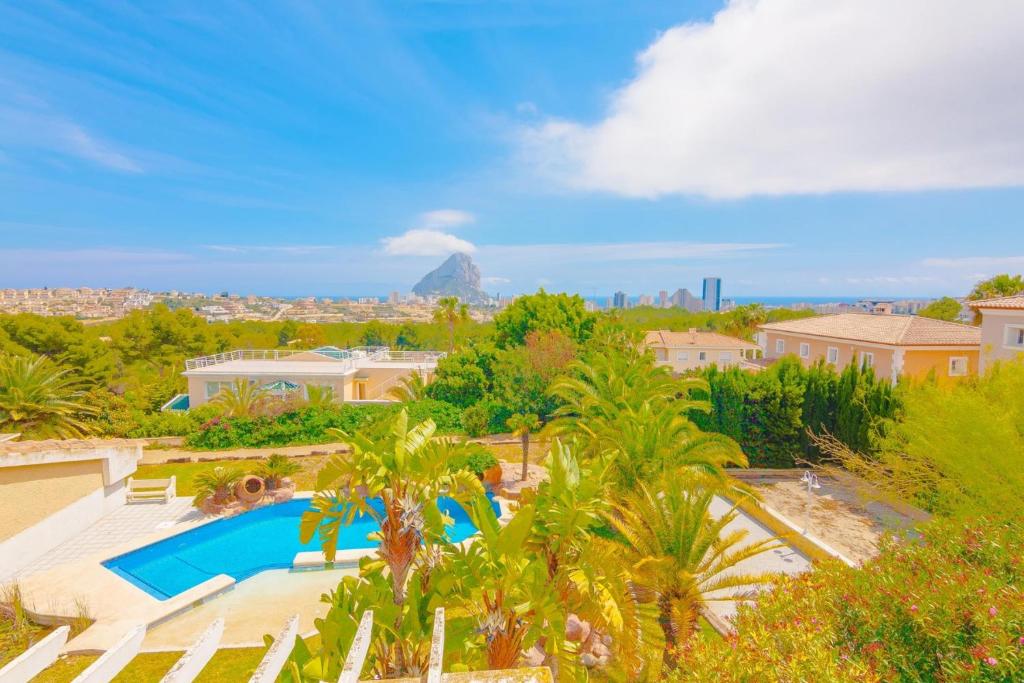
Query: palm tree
[[620, 402], [676, 554], [521, 425], [40, 399], [241, 399], [450, 312], [217, 484], [412, 387], [319, 395], [275, 468]]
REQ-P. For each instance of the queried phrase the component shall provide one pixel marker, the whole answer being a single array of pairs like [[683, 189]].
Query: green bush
[[946, 607], [477, 459], [769, 413], [475, 420], [310, 425]]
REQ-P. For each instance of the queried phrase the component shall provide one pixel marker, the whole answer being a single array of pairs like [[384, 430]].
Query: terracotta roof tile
[[1016, 301], [695, 338], [898, 330]]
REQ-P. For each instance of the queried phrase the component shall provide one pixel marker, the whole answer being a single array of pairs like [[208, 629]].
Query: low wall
[[53, 490]]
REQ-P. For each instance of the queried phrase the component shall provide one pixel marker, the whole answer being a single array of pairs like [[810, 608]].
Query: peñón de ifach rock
[[457, 276]]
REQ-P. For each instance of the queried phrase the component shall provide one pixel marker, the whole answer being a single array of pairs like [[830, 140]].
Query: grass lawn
[[14, 641], [305, 479], [236, 664]]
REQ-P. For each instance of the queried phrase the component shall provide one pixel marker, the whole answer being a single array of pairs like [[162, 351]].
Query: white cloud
[[623, 251], [495, 280], [804, 96], [976, 262], [891, 280], [426, 243], [445, 218], [86, 146]]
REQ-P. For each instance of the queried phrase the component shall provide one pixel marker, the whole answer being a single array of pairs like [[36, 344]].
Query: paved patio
[[784, 560], [124, 525]]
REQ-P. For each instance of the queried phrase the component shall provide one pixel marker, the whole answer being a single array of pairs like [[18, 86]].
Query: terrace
[[357, 357]]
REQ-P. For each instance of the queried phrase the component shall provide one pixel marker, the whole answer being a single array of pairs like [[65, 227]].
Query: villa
[[1002, 328], [691, 350], [357, 374], [894, 345]]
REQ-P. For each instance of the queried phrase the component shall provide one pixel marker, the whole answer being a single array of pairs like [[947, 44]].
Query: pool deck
[[72, 581]]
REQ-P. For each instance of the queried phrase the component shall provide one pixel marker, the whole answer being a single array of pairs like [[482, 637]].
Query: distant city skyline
[[333, 148]]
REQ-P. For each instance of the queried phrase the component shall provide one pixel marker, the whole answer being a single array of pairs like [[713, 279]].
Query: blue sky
[[346, 147]]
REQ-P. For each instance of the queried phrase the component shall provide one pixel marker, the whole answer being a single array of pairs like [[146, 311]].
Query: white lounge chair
[[142, 490]]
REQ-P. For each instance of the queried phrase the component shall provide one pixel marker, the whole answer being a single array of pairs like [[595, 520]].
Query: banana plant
[[503, 587], [395, 479]]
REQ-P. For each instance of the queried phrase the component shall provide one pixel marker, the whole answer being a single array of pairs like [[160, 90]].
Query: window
[[683, 355], [725, 356], [780, 346], [867, 360], [1015, 336], [832, 356], [957, 366], [702, 356], [805, 350], [212, 388]]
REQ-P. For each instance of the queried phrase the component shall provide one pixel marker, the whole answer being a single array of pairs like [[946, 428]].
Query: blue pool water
[[242, 546]]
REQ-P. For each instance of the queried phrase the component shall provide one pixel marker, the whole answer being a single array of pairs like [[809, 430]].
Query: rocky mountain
[[457, 276]]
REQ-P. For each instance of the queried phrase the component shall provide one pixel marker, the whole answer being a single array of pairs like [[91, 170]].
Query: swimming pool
[[242, 546]]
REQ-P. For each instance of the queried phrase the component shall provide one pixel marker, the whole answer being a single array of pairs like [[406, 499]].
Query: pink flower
[[992, 611], [913, 608], [991, 661]]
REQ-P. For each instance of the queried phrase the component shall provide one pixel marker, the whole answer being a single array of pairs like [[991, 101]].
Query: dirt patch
[[837, 514]]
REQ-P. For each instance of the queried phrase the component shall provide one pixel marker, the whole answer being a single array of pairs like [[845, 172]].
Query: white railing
[[34, 660], [185, 670], [352, 357]]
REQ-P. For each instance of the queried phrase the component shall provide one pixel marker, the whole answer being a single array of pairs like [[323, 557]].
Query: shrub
[[309, 425], [944, 607], [476, 458], [475, 420]]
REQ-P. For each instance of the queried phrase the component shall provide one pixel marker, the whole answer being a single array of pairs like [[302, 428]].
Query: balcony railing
[[352, 358]]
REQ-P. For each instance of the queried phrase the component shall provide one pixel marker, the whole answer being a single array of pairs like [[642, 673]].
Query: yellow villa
[[695, 349], [894, 345]]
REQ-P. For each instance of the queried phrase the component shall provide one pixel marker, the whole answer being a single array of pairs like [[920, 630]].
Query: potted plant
[[275, 469], [215, 487], [478, 460]]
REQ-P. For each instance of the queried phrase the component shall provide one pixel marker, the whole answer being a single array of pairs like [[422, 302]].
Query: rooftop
[[326, 360], [1003, 302], [897, 330], [695, 338]]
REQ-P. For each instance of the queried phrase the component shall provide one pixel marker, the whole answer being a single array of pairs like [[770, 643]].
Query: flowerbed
[[946, 607]]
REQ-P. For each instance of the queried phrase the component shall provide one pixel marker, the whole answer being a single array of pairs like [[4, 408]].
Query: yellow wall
[[30, 494], [918, 364], [848, 351]]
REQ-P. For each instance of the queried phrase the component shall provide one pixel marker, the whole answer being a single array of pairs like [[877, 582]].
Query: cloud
[[292, 250], [445, 218], [891, 280], [495, 280], [84, 145], [624, 251], [976, 262], [802, 96], [426, 243]]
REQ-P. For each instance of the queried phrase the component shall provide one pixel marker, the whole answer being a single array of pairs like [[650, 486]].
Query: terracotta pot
[[250, 489], [492, 476]]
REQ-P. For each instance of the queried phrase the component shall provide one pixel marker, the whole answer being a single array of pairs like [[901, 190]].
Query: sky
[[790, 147]]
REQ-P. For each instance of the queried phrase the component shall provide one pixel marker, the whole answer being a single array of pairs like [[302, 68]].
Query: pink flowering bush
[[945, 607]]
